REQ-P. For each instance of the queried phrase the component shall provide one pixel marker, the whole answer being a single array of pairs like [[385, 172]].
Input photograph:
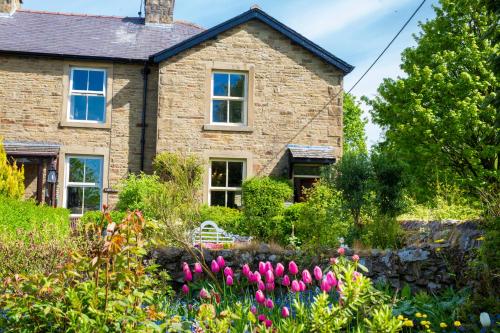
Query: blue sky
[[354, 30]]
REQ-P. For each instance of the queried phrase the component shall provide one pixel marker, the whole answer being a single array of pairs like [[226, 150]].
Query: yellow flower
[[418, 314], [480, 238], [457, 323], [439, 241], [424, 316], [408, 323], [400, 317], [443, 325], [438, 249]]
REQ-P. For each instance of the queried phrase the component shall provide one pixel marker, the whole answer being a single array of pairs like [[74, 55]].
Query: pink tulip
[[261, 317], [269, 276], [220, 261], [280, 269], [259, 297], [285, 313], [330, 278], [355, 257], [257, 276], [325, 286], [245, 270], [187, 275], [269, 266], [261, 285], [292, 268], [286, 281], [185, 266], [295, 286], [253, 309], [197, 268], [262, 268], [215, 267], [270, 286], [185, 289], [251, 277], [341, 251], [268, 323], [318, 273], [269, 303], [204, 294], [229, 280], [228, 271], [302, 285], [306, 276], [334, 261]]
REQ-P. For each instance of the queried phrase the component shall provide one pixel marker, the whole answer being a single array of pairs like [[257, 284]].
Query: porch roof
[[311, 154], [24, 148]]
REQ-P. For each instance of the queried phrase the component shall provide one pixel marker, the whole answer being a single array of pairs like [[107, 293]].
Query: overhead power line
[[388, 45]]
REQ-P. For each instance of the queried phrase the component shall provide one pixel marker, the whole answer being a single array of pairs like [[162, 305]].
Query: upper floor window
[[229, 98], [83, 183], [87, 95]]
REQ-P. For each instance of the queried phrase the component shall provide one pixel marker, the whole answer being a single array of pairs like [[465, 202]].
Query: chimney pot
[[10, 6], [159, 11]]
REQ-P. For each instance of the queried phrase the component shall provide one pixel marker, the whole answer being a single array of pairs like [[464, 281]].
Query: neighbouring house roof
[[24, 148], [300, 153], [254, 14], [88, 36]]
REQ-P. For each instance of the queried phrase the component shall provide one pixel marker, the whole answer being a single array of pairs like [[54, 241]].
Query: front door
[[300, 184]]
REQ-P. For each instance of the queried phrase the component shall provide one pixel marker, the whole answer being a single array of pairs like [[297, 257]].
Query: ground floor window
[[83, 183], [226, 177], [304, 177]]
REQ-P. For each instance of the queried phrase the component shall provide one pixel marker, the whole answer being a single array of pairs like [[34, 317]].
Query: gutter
[[145, 73]]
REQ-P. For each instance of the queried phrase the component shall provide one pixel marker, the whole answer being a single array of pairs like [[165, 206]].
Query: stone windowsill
[[84, 124], [225, 128]]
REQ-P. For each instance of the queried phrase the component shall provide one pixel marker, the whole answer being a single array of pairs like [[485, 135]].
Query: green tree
[[354, 126], [11, 177], [440, 116]]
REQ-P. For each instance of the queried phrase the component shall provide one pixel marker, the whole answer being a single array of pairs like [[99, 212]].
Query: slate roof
[[311, 152], [88, 36]]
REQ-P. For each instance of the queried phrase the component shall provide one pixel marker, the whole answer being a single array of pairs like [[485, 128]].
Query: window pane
[[80, 79], [237, 85], [218, 174], [233, 199], [74, 201], [235, 111], [220, 84], [96, 80], [92, 198], [78, 107], [92, 170], [96, 108], [235, 176], [219, 111], [217, 198], [76, 166]]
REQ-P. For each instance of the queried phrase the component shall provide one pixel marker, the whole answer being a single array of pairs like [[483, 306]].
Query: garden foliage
[[135, 191]]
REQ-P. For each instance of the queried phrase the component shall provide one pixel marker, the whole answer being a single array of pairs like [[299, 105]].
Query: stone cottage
[[85, 100]]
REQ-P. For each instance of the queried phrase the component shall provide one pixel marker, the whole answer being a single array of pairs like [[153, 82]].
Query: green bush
[[32, 238], [322, 219], [185, 170], [11, 177], [135, 190], [229, 219], [383, 232], [96, 217], [263, 205]]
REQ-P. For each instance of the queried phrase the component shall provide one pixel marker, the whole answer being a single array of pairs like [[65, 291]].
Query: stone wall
[[430, 266], [289, 90], [32, 99]]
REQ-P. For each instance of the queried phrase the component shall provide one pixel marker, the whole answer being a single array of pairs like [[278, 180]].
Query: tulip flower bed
[[282, 298]]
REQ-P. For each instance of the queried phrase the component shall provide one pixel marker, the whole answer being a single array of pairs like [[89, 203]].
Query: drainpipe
[[145, 72]]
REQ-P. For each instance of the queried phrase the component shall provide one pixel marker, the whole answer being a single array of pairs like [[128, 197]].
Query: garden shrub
[[96, 217], [11, 177], [33, 238], [110, 291], [183, 169], [322, 220], [383, 232], [135, 191], [229, 219]]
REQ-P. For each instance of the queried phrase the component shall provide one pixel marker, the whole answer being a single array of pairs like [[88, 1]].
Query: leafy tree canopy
[[440, 117], [354, 126]]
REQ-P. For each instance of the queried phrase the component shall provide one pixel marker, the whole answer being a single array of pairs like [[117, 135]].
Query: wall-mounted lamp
[[52, 174]]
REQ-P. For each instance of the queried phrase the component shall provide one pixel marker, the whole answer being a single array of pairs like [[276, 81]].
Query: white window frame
[[243, 99], [225, 188], [67, 183], [87, 93]]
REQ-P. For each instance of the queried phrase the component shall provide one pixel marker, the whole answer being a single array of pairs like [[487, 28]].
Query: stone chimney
[[9, 6], [158, 11]]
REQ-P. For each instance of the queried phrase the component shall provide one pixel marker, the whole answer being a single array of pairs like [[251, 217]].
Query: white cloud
[[324, 18]]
